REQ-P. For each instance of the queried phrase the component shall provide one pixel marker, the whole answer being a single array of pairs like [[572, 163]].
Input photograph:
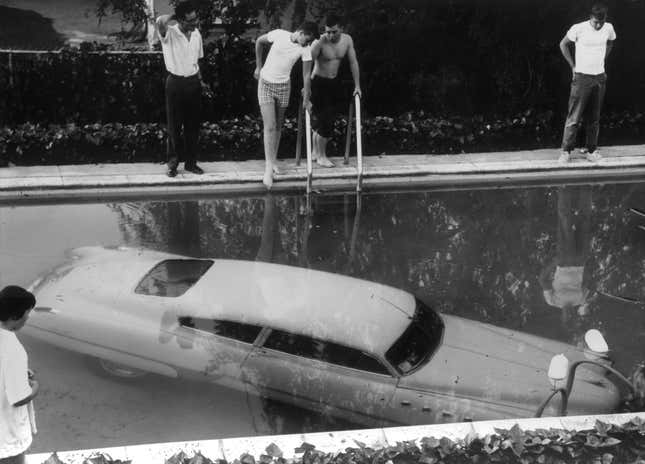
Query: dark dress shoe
[[194, 169], [171, 172]]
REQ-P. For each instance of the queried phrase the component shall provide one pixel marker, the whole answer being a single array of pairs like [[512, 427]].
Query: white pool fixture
[[596, 343], [558, 369]]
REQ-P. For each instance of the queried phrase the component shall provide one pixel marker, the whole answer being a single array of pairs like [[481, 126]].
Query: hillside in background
[[48, 24]]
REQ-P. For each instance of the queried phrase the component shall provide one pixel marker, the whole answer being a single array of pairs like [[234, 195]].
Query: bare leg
[[270, 135], [279, 117], [315, 145], [322, 157]]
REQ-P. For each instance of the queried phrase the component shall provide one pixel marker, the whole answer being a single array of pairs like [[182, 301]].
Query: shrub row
[[241, 138], [605, 444], [86, 86]]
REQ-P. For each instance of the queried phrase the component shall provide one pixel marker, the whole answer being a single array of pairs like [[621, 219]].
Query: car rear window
[[173, 277], [417, 343], [333, 353]]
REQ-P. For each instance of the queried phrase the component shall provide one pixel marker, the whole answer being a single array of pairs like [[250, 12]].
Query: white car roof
[[352, 312]]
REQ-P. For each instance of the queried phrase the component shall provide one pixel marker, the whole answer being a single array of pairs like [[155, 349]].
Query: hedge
[[604, 444], [87, 86], [241, 138]]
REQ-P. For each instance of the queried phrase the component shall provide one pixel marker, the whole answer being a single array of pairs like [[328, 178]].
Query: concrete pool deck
[[387, 171]]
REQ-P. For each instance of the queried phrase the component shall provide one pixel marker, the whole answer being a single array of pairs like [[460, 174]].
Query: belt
[[175, 76]]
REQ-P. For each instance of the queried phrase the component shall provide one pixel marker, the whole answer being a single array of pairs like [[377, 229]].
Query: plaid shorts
[[269, 93]]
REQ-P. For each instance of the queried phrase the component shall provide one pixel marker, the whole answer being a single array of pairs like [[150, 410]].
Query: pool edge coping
[[232, 448]]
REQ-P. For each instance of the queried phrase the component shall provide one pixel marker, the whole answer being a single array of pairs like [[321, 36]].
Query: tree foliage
[[131, 11]]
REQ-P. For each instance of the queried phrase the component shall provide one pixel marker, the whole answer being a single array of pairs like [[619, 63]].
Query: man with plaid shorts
[[274, 84]]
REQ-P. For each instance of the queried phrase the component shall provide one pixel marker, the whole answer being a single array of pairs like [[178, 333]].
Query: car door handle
[[405, 403], [44, 309], [447, 414]]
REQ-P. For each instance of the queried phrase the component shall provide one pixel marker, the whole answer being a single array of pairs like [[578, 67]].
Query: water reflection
[[552, 262], [511, 257], [564, 287]]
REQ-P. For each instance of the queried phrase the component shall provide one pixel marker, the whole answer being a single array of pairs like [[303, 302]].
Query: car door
[[416, 407], [322, 376], [220, 346]]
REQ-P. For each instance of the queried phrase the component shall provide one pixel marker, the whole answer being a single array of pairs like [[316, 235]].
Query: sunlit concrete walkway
[[394, 171]]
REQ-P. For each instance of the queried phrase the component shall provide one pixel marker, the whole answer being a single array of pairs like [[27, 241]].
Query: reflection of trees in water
[[165, 226], [473, 253]]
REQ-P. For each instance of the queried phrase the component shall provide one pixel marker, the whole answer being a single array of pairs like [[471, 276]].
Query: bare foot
[[267, 180], [325, 162]]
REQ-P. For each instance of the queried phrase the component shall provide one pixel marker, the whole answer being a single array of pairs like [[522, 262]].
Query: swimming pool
[[552, 261]]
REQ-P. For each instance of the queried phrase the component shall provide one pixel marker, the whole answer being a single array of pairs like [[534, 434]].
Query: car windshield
[[417, 343], [173, 277]]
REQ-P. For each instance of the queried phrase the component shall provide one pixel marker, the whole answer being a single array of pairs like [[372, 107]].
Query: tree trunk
[[150, 23]]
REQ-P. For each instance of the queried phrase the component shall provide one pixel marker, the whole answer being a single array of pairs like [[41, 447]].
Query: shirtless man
[[326, 88]]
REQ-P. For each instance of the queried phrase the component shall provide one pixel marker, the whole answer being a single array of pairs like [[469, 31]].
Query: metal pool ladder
[[354, 110]]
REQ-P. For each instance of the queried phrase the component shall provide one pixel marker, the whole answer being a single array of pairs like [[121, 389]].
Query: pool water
[[552, 261]]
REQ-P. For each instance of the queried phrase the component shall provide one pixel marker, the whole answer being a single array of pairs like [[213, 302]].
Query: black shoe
[[171, 172], [194, 169]]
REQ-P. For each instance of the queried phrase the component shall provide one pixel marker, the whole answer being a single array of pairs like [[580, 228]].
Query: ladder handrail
[[299, 134], [308, 148], [348, 136], [359, 143], [354, 109]]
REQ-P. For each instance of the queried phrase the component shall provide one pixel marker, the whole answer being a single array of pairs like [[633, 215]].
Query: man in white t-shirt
[[17, 384], [593, 40], [182, 47], [274, 83]]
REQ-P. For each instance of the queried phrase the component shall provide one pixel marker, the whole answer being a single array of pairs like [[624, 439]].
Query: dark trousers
[[585, 101], [183, 111]]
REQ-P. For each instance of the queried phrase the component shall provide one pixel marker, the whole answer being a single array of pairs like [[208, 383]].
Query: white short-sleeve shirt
[[15, 427], [282, 56], [591, 46], [180, 55]]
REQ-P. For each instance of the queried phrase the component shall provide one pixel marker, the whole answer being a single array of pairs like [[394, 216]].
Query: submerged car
[[355, 349]]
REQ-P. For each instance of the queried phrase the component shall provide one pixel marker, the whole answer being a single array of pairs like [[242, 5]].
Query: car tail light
[[596, 347], [558, 369]]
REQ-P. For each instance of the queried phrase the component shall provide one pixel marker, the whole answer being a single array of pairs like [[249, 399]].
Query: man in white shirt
[[562, 281], [593, 41], [17, 384], [181, 43], [274, 83]]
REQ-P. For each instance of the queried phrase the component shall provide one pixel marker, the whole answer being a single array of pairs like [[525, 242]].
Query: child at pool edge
[[18, 386]]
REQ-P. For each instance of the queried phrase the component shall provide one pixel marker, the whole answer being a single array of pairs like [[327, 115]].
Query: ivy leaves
[[605, 444]]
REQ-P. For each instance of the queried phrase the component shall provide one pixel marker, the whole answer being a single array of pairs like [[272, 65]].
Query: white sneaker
[[593, 157], [584, 151], [564, 157]]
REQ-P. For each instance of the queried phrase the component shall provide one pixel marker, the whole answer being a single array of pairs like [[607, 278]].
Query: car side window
[[235, 330], [333, 353]]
